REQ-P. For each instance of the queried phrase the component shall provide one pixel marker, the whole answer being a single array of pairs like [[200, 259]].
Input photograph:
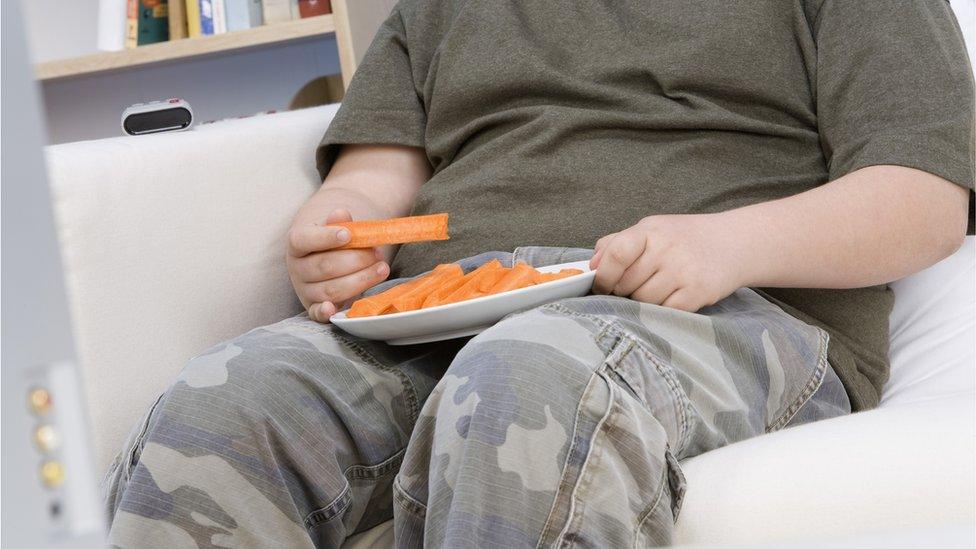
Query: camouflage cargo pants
[[559, 426]]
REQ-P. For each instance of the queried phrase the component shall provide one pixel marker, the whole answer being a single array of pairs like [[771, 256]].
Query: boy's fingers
[[342, 288], [618, 254], [306, 239], [320, 312], [682, 300], [598, 250], [317, 267], [639, 272], [338, 216], [656, 290]]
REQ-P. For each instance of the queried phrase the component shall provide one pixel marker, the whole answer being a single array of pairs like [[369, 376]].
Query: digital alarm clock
[[158, 116]]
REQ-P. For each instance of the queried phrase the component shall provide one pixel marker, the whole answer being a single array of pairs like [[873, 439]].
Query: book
[[147, 22], [131, 23], [193, 28], [177, 19], [243, 14], [277, 11], [312, 8], [206, 17], [112, 24], [219, 16]]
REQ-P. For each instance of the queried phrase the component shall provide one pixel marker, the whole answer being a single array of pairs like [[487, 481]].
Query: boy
[[810, 150]]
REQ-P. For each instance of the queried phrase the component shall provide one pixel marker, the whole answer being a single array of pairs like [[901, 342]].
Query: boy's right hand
[[324, 277]]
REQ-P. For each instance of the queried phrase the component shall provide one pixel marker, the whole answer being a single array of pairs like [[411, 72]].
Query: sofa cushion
[[172, 243], [933, 331], [901, 467]]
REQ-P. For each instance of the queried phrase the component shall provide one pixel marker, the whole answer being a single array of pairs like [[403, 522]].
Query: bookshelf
[[186, 48]]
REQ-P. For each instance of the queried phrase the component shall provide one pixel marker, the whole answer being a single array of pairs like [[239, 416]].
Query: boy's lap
[[737, 369]]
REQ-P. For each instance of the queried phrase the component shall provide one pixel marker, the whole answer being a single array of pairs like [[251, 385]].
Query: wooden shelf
[[186, 48]]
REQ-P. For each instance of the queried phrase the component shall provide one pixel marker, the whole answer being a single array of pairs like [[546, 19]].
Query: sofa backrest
[[173, 242]]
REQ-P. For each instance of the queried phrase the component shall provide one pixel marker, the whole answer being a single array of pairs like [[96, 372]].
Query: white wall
[[223, 86], [57, 29]]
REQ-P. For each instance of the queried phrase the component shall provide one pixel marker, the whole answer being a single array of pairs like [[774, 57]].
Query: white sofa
[[173, 242]]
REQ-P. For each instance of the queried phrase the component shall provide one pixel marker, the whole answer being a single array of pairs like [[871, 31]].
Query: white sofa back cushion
[[933, 331], [173, 242]]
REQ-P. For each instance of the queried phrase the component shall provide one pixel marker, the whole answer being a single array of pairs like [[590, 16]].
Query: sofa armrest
[[171, 243]]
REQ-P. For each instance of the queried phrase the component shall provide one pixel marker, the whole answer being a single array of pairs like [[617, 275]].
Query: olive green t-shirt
[[555, 123]]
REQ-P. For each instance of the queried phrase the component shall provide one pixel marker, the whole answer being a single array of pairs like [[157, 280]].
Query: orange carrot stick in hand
[[372, 233]]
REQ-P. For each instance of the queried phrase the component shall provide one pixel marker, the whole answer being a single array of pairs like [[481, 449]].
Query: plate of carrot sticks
[[447, 303]]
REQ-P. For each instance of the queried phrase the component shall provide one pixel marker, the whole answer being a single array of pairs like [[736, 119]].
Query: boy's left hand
[[681, 261]]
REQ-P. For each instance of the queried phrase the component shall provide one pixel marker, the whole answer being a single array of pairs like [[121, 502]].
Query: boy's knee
[[544, 343]]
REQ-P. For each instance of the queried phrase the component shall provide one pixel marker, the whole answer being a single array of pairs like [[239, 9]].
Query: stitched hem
[[548, 526], [650, 508], [373, 472], [813, 384], [406, 502], [565, 537], [334, 509]]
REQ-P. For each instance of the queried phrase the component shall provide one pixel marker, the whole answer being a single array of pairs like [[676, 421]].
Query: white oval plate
[[469, 317]]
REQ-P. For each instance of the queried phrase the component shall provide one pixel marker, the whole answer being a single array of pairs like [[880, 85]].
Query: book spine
[[206, 17], [219, 16], [277, 11], [243, 14], [153, 21], [131, 23], [193, 29], [112, 24], [255, 12], [177, 19]]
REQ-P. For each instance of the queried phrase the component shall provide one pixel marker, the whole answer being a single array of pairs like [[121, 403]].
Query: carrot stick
[[489, 279], [367, 234], [471, 288], [414, 298], [519, 276], [379, 303], [549, 277], [440, 294]]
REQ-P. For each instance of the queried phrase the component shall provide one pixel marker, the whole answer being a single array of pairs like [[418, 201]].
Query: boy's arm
[[871, 226], [366, 182]]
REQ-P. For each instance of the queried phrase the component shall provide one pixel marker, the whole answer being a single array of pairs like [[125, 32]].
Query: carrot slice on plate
[[519, 276], [380, 303], [380, 232], [415, 297], [483, 275], [440, 294], [549, 277]]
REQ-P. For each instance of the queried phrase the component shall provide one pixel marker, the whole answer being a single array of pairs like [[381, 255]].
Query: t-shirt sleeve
[[381, 105], [895, 86]]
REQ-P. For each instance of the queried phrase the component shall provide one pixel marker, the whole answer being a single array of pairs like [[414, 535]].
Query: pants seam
[[562, 539], [407, 502], [569, 454], [332, 510], [413, 401], [650, 509], [378, 470], [682, 402], [816, 379]]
